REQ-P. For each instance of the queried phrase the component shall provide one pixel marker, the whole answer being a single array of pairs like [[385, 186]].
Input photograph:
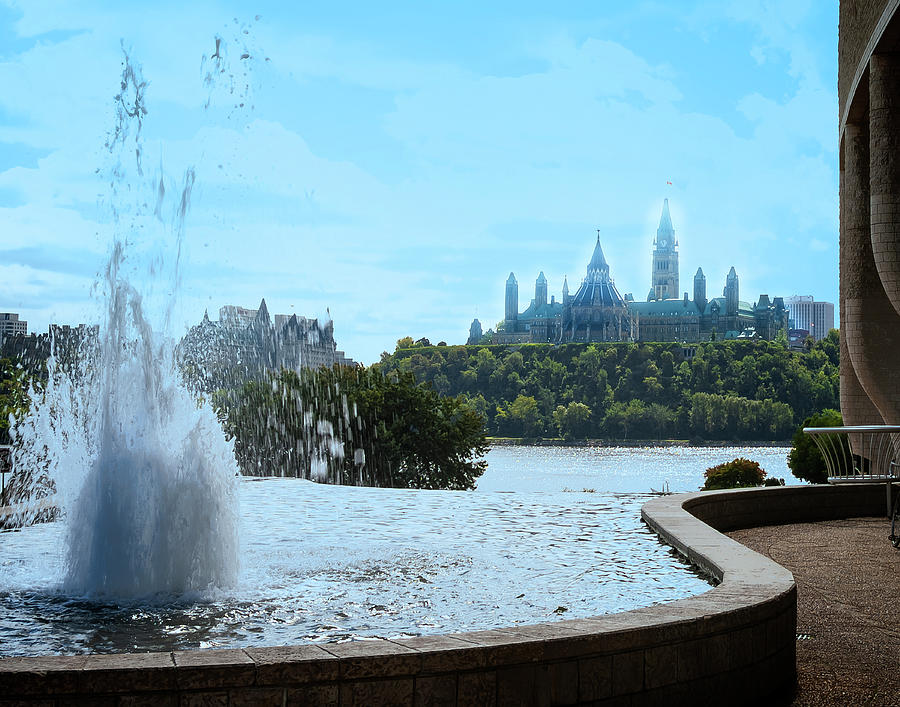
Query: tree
[[660, 417], [627, 418], [781, 338], [355, 426], [805, 459], [405, 343], [13, 395], [524, 417], [572, 421]]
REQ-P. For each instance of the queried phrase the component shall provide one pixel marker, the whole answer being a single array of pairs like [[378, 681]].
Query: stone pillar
[[884, 173], [871, 325], [856, 406]]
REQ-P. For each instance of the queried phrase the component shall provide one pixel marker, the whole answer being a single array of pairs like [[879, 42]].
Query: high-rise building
[[11, 325], [806, 313]]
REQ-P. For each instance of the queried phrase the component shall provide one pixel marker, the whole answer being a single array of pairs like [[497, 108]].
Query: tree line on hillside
[[419, 418], [726, 390]]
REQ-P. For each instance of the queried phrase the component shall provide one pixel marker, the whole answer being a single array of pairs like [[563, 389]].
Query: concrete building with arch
[[869, 134]]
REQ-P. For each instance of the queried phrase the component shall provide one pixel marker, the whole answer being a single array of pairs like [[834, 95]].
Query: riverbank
[[559, 442]]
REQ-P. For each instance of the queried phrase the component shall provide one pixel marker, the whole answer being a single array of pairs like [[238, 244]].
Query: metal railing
[[860, 454]]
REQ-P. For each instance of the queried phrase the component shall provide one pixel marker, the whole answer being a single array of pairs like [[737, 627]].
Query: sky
[[389, 164]]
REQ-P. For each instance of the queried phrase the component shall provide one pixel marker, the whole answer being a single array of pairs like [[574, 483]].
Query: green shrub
[[738, 473], [805, 459]]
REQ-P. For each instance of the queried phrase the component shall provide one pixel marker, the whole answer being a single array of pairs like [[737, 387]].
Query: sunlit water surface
[[550, 533]]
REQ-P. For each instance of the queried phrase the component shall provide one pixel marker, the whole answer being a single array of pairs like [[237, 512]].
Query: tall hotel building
[[815, 317]]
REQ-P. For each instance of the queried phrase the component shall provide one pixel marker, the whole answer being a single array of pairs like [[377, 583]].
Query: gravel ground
[[848, 623]]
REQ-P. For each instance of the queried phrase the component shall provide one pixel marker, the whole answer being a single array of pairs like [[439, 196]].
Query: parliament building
[[598, 312]]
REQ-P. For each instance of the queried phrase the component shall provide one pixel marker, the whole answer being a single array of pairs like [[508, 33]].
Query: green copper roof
[[743, 307], [664, 308], [548, 310]]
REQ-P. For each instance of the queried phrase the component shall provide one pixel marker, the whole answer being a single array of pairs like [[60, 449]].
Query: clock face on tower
[[663, 243]]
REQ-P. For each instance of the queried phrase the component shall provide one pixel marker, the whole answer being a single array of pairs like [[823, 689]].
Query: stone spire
[[512, 298], [475, 332], [540, 290], [262, 314], [598, 269], [700, 290], [565, 290], [665, 234], [731, 292]]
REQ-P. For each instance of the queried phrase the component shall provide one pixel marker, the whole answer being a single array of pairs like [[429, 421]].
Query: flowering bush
[[738, 473]]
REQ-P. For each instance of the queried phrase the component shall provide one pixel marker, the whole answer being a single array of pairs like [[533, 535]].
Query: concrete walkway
[[848, 623]]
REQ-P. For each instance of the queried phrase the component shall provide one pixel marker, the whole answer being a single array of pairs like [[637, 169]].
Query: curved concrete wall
[[734, 643]]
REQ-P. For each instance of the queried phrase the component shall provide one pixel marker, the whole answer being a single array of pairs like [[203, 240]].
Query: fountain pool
[[326, 563]]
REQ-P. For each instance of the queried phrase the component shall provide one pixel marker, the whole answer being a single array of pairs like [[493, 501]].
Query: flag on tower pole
[[669, 183]]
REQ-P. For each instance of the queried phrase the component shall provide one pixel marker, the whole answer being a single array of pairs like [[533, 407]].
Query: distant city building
[[11, 325], [475, 333], [67, 343], [797, 338], [249, 340], [597, 312], [806, 313]]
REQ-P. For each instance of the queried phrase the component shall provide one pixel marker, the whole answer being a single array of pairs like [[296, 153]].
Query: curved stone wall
[[735, 643]]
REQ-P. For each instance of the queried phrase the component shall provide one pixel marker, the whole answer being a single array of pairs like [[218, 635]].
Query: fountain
[[143, 474]]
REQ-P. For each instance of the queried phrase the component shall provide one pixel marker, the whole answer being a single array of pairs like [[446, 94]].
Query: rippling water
[[551, 532]]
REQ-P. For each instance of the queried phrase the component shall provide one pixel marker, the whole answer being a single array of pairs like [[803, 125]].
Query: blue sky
[[393, 162]]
